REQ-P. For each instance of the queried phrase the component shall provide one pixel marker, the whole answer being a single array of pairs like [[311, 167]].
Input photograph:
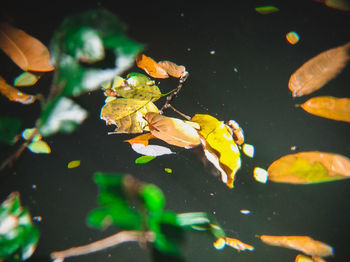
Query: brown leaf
[[319, 70], [172, 69], [13, 94], [172, 130], [309, 167], [329, 107], [24, 50], [150, 66], [305, 244]]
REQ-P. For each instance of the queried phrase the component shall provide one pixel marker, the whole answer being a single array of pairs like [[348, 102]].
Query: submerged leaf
[[151, 150], [219, 146], [26, 51], [9, 129], [305, 244], [309, 167], [13, 94], [172, 130], [319, 70], [329, 107]]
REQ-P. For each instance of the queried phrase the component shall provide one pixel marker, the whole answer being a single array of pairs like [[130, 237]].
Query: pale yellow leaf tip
[[260, 175]]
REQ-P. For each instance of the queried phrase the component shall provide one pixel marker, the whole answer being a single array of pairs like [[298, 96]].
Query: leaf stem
[[113, 240]]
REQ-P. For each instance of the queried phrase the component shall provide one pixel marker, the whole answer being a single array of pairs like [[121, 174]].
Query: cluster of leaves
[[131, 204], [18, 236]]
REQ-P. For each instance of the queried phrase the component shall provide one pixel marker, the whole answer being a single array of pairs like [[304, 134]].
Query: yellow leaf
[[219, 146], [73, 164], [26, 51], [329, 107], [39, 147]]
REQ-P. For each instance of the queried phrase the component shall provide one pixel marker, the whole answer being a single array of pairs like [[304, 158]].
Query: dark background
[[256, 96]]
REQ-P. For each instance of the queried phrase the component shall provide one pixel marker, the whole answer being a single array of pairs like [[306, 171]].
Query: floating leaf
[[61, 115], [141, 139], [292, 37], [319, 70], [127, 114], [39, 147], [168, 170], [172, 130], [151, 150], [90, 49], [248, 150], [305, 244], [13, 94], [161, 69], [329, 107], [232, 242], [265, 10], [26, 79], [343, 5], [26, 51], [302, 258], [31, 133], [144, 159], [73, 164], [219, 146], [309, 167], [9, 129], [18, 236]]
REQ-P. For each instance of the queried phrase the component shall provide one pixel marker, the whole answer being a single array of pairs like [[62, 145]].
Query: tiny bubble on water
[[37, 218]]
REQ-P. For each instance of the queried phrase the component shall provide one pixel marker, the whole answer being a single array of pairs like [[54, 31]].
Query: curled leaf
[[305, 244], [26, 51], [329, 107], [319, 70], [13, 94], [161, 69], [219, 146], [309, 167], [172, 130]]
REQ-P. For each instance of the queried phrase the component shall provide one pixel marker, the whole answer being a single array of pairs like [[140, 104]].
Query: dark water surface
[[256, 96]]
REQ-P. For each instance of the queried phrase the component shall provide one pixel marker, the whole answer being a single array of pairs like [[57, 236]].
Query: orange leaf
[[320, 69], [329, 107], [172, 130], [150, 66], [13, 94], [309, 167], [141, 139], [305, 244], [24, 50], [172, 69]]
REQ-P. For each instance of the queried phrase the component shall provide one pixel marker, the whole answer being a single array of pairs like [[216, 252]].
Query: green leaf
[[61, 115], [39, 147], [107, 179], [99, 218], [26, 79], [153, 197], [83, 46], [144, 159], [9, 129]]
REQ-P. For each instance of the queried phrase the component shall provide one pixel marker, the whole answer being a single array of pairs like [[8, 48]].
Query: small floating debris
[[168, 170], [248, 150], [292, 37], [73, 164], [265, 10], [245, 211], [260, 175]]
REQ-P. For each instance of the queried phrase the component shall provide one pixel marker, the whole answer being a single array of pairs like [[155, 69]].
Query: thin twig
[[174, 93], [114, 240]]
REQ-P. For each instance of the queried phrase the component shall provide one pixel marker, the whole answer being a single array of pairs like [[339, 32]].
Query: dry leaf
[[305, 244], [309, 167], [161, 69], [320, 69], [172, 130], [219, 146], [232, 242], [329, 107], [150, 66], [13, 94], [141, 139], [26, 51]]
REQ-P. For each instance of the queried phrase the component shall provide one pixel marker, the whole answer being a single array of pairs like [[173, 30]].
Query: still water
[[239, 64]]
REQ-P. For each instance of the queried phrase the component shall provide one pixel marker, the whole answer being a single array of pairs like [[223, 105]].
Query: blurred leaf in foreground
[[24, 50], [13, 94], [9, 129], [18, 236], [329, 107], [309, 167], [89, 49]]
